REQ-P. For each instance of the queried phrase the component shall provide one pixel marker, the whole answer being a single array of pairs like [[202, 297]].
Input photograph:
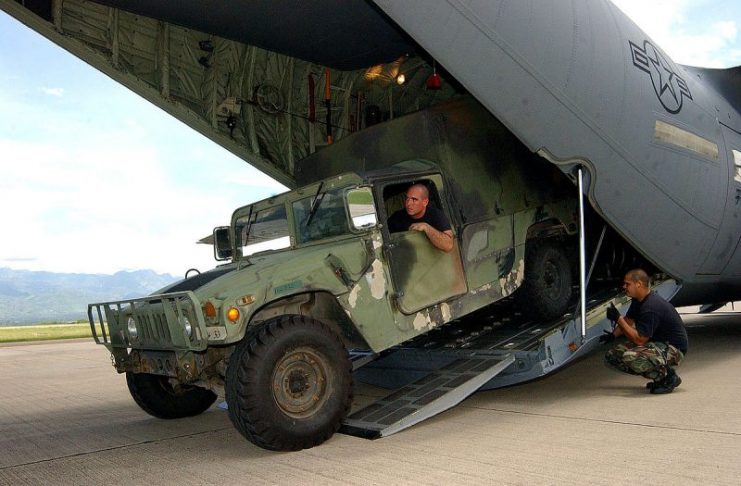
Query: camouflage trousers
[[649, 361]]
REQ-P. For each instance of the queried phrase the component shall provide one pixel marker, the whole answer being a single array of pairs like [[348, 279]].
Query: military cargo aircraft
[[653, 147], [581, 86]]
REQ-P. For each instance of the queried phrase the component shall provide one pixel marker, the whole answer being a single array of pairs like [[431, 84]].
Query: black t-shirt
[[401, 221], [658, 320]]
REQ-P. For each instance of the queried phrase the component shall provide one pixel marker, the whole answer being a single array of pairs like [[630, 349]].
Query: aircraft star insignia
[[671, 89]]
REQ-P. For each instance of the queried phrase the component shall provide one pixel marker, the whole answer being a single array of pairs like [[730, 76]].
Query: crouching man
[[656, 336]]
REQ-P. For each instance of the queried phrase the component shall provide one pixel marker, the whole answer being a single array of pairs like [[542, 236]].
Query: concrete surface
[[66, 418]]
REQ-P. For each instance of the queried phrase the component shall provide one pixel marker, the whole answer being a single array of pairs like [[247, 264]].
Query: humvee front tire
[[546, 290], [159, 398], [288, 384]]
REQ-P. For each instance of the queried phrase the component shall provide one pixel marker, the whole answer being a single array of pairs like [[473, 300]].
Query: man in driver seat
[[417, 215]]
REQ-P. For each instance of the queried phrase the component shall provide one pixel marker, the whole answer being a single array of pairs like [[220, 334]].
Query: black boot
[[676, 380], [667, 385]]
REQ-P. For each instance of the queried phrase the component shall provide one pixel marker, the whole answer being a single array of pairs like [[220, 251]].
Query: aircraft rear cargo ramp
[[493, 348]]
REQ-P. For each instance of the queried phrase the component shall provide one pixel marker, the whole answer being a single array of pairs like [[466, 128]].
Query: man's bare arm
[[442, 240], [627, 327]]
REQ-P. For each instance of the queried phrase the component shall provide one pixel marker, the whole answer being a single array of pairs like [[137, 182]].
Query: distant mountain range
[[28, 297]]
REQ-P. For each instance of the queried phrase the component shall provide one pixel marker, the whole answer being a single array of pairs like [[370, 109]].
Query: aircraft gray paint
[[582, 86]]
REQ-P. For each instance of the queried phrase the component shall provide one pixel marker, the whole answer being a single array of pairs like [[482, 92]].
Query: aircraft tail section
[[727, 82]]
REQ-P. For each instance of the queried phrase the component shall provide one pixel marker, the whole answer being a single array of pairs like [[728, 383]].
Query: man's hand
[[607, 337], [612, 313], [419, 227]]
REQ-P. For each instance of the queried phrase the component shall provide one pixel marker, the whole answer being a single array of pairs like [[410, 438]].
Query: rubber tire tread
[[155, 395], [253, 411], [534, 298]]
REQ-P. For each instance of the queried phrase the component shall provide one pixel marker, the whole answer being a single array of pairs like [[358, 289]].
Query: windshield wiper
[[247, 233], [318, 197]]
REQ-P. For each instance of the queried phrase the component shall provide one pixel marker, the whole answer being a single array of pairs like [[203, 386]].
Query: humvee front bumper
[[162, 334]]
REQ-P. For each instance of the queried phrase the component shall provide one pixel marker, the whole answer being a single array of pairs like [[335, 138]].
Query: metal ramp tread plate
[[438, 391]]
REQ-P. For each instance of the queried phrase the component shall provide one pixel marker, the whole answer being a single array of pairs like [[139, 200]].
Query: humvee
[[312, 274]]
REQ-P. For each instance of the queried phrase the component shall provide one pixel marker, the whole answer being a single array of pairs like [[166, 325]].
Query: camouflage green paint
[[282, 289], [392, 287]]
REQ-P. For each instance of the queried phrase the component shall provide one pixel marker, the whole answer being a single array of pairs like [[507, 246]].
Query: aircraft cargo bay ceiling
[[250, 75]]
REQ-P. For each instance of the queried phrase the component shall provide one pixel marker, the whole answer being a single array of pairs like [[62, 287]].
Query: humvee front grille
[[160, 322], [154, 328]]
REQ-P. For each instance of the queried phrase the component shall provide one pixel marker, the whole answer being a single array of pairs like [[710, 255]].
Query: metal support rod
[[582, 259], [596, 254], [591, 265]]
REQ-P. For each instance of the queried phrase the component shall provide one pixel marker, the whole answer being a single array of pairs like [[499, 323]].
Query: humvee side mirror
[[361, 207], [222, 243]]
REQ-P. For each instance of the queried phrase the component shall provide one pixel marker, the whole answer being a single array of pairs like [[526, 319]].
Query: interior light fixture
[[434, 82]]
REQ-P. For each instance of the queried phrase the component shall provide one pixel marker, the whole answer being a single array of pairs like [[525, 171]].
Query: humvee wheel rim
[[551, 278], [300, 382]]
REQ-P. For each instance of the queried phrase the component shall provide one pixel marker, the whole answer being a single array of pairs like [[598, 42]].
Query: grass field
[[45, 332]]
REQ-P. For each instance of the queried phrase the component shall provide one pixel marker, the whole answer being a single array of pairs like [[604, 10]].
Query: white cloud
[[95, 179], [119, 188], [690, 31], [258, 179], [87, 208], [726, 29], [58, 92]]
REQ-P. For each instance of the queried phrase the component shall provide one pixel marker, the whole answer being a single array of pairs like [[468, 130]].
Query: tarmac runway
[[66, 417]]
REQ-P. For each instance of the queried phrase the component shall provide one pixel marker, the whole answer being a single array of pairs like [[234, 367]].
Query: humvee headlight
[[186, 325], [131, 327], [232, 314]]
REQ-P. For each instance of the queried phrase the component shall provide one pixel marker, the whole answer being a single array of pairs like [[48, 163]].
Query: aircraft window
[[737, 164], [329, 218], [268, 231]]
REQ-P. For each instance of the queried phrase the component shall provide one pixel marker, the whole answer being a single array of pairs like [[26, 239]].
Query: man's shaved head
[[425, 192], [638, 275]]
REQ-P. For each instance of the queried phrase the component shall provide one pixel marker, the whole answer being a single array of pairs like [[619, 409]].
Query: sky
[[94, 179]]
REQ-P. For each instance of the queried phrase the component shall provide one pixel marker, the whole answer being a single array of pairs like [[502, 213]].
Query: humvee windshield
[[328, 218], [315, 217]]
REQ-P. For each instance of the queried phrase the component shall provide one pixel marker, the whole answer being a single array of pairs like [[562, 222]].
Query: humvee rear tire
[[289, 384], [156, 396], [546, 290]]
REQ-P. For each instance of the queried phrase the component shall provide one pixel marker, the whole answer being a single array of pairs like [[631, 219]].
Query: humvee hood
[[197, 281]]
